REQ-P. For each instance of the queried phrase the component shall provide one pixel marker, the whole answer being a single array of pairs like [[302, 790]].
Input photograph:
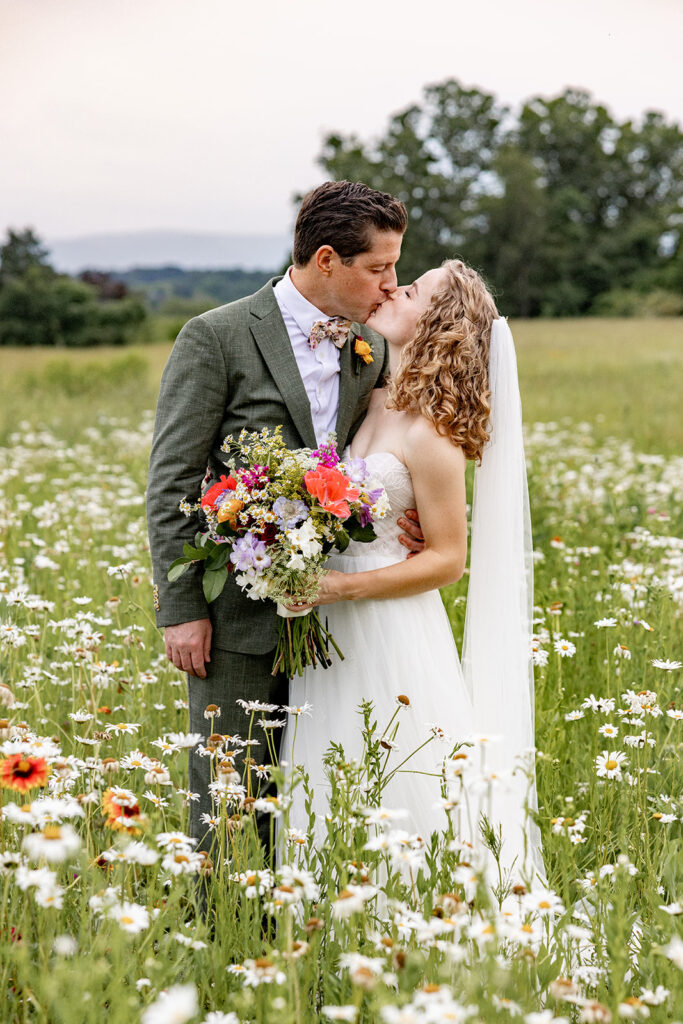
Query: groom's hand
[[412, 537], [188, 646]]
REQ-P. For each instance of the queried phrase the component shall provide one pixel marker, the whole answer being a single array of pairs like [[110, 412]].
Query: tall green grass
[[621, 376]]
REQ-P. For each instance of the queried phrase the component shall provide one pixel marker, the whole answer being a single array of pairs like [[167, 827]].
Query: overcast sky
[[208, 114]]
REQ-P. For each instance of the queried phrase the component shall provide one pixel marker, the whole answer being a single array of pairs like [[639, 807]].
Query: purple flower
[[365, 515], [357, 470], [260, 558], [249, 552], [290, 512]]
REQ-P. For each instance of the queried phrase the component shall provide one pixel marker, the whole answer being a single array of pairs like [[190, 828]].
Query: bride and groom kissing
[[415, 380]]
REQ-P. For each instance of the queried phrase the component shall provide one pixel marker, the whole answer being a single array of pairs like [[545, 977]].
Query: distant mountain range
[[189, 250]]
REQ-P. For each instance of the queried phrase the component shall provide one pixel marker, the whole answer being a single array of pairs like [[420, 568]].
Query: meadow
[[99, 878]]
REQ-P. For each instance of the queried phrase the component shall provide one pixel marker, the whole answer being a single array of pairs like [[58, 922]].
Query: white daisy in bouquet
[[272, 522]]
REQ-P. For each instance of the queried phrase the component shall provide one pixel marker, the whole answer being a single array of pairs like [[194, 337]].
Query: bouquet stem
[[303, 641]]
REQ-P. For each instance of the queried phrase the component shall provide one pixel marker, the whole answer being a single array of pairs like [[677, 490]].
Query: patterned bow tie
[[336, 329]]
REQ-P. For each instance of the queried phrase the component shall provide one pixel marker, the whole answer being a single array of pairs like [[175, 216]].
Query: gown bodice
[[394, 476]]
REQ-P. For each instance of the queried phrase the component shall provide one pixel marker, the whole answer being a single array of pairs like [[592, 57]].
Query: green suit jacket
[[233, 368]]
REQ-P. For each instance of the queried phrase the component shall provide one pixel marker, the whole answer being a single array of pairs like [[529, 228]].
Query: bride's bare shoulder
[[422, 441]]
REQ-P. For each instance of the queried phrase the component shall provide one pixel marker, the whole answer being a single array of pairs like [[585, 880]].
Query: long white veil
[[496, 654]]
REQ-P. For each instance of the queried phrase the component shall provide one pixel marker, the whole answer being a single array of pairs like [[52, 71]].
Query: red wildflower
[[21, 772], [332, 489], [226, 483]]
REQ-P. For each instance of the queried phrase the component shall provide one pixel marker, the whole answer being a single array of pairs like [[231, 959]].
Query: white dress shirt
[[319, 367]]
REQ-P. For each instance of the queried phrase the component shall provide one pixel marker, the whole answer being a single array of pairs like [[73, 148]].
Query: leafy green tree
[[612, 189], [556, 206], [434, 158], [21, 252], [511, 244], [41, 307]]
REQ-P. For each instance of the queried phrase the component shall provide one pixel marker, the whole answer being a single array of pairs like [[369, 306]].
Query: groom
[[256, 363]]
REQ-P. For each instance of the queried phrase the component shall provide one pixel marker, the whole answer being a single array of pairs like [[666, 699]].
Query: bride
[[452, 395]]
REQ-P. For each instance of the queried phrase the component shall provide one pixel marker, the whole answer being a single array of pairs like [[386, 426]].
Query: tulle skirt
[[394, 648], [400, 654]]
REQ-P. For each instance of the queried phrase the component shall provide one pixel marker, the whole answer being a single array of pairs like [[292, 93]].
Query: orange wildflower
[[114, 811], [332, 489], [20, 772]]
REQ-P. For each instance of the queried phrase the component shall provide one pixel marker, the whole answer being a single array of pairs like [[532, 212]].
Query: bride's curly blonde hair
[[443, 374]]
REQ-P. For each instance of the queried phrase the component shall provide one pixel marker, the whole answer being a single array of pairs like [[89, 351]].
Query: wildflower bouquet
[[272, 522]]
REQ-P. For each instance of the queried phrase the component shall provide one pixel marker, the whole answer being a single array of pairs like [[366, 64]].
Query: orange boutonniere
[[363, 352]]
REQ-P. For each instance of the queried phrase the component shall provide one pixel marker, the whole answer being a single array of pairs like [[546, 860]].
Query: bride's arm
[[437, 469]]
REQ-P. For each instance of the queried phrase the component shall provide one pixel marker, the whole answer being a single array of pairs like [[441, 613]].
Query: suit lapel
[[271, 336], [349, 382]]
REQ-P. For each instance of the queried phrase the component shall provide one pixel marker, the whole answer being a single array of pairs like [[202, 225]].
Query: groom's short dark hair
[[341, 214]]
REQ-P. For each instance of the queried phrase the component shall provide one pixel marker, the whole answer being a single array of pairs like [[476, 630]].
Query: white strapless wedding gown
[[398, 646]]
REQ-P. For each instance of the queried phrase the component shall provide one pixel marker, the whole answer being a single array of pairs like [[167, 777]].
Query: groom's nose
[[388, 284]]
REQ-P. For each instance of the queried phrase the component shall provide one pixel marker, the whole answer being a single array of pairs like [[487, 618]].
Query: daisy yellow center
[[52, 832], [544, 905], [126, 919], [611, 765]]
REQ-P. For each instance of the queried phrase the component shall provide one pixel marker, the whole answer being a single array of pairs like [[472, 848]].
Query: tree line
[[565, 209], [38, 306], [180, 292]]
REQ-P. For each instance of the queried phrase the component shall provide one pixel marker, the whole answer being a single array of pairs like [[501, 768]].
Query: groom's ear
[[324, 259]]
